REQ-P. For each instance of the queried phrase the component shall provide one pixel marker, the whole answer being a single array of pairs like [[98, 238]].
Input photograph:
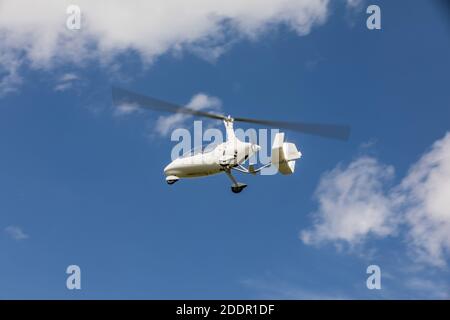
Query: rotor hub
[[229, 119]]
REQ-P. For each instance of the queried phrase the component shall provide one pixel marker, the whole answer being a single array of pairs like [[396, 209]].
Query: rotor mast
[[228, 121]]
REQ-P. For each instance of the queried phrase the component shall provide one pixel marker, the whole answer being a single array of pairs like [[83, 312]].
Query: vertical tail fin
[[284, 154]]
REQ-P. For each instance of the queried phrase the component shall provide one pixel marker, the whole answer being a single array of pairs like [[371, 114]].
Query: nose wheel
[[171, 179]]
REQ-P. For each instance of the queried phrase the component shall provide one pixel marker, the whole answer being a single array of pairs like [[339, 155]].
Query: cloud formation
[[10, 78], [199, 101], [35, 34], [424, 197], [358, 201], [126, 109], [353, 204], [66, 81], [16, 233]]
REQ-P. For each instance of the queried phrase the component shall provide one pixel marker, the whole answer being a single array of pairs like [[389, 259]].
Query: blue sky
[[81, 185]]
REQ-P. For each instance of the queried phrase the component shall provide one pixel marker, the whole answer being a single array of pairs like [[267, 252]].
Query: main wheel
[[237, 189]]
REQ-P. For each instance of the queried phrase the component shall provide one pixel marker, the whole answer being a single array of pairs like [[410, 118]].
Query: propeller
[[122, 96]]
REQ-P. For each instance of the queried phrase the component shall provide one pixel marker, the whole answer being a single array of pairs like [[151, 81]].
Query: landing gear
[[237, 187], [172, 179]]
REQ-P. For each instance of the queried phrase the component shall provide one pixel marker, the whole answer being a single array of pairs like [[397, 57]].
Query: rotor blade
[[333, 131], [124, 97]]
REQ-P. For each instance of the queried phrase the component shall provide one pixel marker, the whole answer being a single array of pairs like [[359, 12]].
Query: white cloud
[[425, 198], [354, 3], [357, 202], [10, 79], [352, 204], [35, 33], [126, 109], [199, 101], [16, 233], [66, 81], [68, 77]]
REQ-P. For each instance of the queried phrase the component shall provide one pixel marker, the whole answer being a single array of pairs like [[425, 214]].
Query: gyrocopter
[[233, 153]]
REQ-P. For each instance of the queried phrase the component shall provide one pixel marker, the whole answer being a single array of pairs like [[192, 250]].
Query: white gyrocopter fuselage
[[230, 155]]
